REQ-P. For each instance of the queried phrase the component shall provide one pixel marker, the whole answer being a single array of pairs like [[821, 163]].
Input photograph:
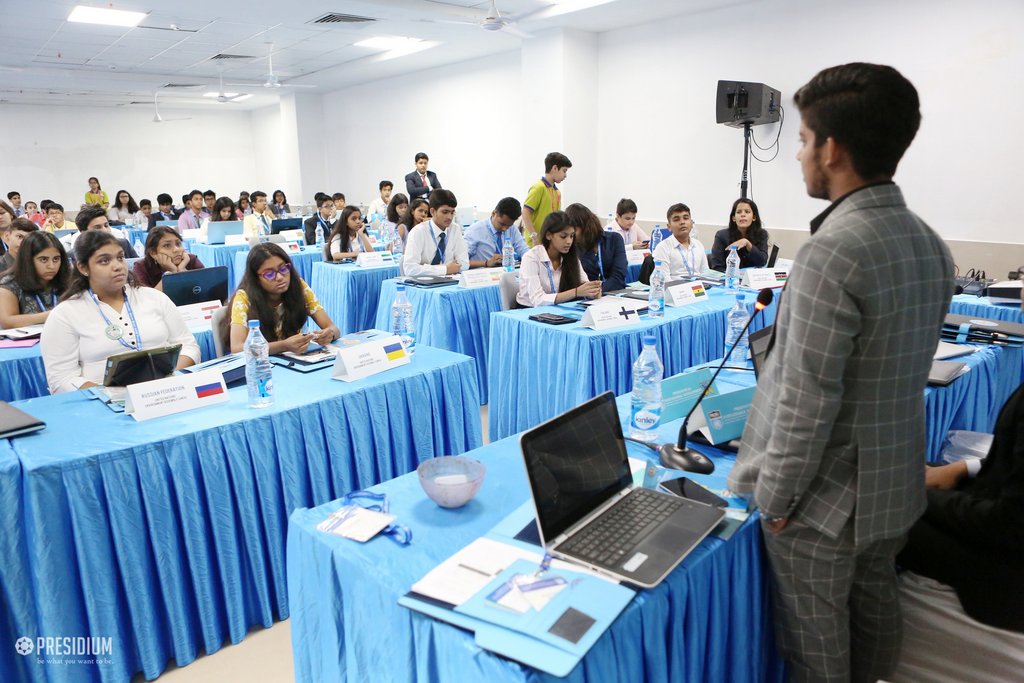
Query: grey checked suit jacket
[[836, 431]]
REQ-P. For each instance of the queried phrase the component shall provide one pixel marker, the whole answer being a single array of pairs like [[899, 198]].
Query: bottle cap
[[657, 262], [254, 324], [401, 287], [650, 340], [740, 298]]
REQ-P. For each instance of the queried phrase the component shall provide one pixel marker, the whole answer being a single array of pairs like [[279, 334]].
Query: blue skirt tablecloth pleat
[[349, 293]]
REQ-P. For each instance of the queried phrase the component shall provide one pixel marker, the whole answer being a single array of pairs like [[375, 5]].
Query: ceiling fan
[[494, 20], [156, 112], [224, 98], [271, 80]]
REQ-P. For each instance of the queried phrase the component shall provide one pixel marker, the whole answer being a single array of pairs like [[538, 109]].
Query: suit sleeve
[[413, 186], [717, 261], [435, 183], [309, 230], [824, 321], [615, 266], [757, 256]]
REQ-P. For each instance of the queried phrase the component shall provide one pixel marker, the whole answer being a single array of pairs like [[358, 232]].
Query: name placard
[[635, 257], [234, 240], [764, 278], [613, 312], [292, 247], [680, 392], [721, 418], [198, 315], [480, 277], [685, 293], [369, 358], [175, 394], [298, 236], [370, 258]]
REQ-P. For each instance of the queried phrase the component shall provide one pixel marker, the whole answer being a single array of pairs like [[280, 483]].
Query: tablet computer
[[133, 367]]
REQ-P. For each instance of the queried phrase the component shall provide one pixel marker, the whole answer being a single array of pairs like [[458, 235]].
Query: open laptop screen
[[758, 342], [574, 463]]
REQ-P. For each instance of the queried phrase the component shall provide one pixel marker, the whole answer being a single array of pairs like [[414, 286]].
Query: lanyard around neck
[[53, 301], [682, 254], [551, 277], [437, 246], [114, 331], [600, 260]]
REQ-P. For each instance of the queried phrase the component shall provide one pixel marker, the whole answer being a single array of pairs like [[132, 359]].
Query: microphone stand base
[[685, 459]]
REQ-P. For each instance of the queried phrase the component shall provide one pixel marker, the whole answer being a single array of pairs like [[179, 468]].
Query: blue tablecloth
[[349, 292], [17, 612], [168, 536], [220, 255], [633, 272], [303, 262], [547, 369], [136, 235], [453, 317], [710, 620], [22, 374]]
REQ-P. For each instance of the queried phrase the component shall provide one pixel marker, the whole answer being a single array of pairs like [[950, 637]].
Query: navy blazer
[[414, 186], [749, 258], [309, 228], [613, 258]]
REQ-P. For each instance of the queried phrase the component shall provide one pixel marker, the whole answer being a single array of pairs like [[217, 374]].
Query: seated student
[[397, 207], [624, 224], [242, 207], [103, 314], [12, 236], [209, 199], [347, 238], [551, 272], [223, 210], [280, 204], [164, 254], [258, 222], [124, 208], [192, 217], [94, 218], [600, 251], [33, 213], [746, 232], [167, 211], [972, 531], [684, 255], [417, 212], [437, 247], [339, 201], [379, 205], [485, 239], [31, 289], [322, 218], [15, 203], [96, 195], [271, 292], [55, 219]]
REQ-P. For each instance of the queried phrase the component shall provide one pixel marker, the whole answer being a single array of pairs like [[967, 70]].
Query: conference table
[[23, 375], [710, 620], [983, 307], [349, 292], [543, 370], [451, 317], [220, 255], [168, 536]]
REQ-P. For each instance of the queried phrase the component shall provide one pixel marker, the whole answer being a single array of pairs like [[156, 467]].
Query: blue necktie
[[439, 254]]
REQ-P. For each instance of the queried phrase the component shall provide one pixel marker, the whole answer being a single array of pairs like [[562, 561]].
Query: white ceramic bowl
[[451, 481]]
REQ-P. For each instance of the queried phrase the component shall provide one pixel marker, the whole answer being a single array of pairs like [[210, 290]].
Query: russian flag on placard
[[204, 390], [394, 351]]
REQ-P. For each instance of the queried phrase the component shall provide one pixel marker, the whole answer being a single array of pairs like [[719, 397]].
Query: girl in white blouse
[[551, 272], [124, 208], [685, 255], [103, 314], [348, 238]]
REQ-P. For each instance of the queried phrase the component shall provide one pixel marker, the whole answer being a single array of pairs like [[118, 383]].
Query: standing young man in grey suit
[[833, 450]]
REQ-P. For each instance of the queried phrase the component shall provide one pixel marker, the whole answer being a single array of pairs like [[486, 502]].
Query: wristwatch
[[773, 520]]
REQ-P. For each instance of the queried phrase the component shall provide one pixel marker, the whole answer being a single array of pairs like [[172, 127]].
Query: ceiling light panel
[[104, 16]]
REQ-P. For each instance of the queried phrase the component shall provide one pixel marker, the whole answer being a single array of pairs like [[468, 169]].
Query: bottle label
[[647, 417]]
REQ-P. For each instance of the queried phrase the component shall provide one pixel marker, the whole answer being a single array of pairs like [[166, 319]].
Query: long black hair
[[24, 269], [556, 221], [132, 207], [87, 244], [393, 205], [755, 233], [221, 204], [340, 229], [293, 309], [579, 216], [153, 238]]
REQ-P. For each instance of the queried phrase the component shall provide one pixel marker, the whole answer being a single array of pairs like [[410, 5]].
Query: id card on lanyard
[[113, 331], [53, 302], [600, 261], [551, 277]]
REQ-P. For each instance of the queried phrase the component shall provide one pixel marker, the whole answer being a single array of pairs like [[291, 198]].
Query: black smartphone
[[685, 488], [552, 319]]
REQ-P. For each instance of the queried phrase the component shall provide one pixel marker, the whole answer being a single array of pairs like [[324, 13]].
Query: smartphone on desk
[[685, 488], [553, 319]]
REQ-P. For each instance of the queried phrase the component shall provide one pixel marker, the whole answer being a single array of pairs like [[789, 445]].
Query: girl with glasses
[[271, 292]]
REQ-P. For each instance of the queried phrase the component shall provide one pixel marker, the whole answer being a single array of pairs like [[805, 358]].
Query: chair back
[[215, 322], [508, 285], [646, 268]]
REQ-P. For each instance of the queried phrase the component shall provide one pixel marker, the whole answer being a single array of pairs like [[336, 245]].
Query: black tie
[[439, 254]]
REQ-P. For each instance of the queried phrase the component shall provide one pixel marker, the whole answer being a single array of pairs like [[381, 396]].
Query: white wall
[[50, 152], [659, 142], [467, 117]]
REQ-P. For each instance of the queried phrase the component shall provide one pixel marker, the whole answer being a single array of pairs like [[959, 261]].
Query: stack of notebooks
[[974, 330]]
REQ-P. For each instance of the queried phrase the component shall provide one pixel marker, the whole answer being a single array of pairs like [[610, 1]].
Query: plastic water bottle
[[139, 248], [656, 237], [319, 235], [646, 412], [508, 256], [259, 378], [656, 297], [732, 269], [736, 321], [401, 321]]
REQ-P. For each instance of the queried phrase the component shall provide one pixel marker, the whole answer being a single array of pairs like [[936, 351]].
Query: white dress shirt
[[75, 346], [634, 234], [422, 246], [355, 245], [538, 281], [682, 261], [378, 205]]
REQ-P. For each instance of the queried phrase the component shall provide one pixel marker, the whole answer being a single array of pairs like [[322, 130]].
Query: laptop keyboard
[[611, 536]]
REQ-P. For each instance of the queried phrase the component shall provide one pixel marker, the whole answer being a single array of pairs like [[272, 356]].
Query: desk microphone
[[676, 455]]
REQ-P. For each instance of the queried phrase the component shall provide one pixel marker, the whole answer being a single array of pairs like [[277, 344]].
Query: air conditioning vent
[[181, 85], [227, 56], [338, 18]]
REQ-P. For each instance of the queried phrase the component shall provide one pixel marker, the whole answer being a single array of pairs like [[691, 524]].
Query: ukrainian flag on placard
[[394, 351]]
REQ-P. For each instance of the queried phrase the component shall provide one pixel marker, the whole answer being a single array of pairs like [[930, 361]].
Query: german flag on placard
[[394, 351], [204, 390]]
